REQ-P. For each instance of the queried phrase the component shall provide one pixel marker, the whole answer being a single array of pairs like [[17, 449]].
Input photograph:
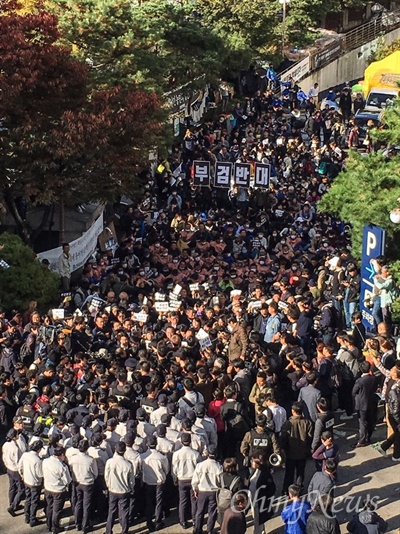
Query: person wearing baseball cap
[[120, 481], [56, 481], [11, 456], [205, 485], [155, 468], [30, 469], [184, 462], [155, 416]]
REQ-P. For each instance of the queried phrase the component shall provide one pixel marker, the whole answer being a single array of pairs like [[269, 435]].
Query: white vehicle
[[378, 98]]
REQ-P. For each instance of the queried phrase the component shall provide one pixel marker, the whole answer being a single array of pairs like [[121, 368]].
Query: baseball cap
[[140, 414], [161, 430], [162, 399], [212, 450], [186, 438], [151, 441]]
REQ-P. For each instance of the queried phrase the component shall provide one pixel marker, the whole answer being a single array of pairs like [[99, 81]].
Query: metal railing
[[384, 23]]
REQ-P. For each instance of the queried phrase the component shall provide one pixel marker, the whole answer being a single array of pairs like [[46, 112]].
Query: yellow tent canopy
[[384, 74]]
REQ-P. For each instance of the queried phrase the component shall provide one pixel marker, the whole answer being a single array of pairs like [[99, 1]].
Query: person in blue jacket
[[295, 514]]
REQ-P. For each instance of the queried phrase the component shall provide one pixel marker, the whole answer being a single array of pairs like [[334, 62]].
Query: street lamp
[[283, 3]]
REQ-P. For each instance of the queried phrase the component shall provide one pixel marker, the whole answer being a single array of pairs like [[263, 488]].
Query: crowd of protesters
[[211, 347]]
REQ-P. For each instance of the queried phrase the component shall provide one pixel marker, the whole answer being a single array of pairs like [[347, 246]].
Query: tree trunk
[[24, 229], [45, 219]]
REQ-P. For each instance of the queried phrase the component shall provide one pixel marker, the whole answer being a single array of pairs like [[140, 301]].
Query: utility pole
[[283, 3]]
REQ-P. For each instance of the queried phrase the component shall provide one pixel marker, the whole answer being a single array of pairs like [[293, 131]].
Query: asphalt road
[[361, 472]]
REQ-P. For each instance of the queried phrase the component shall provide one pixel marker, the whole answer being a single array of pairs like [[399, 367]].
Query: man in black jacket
[[325, 421], [296, 435], [365, 403]]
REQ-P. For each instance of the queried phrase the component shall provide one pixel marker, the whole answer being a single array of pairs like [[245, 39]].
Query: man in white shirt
[[205, 486], [84, 473], [11, 456], [56, 478], [155, 468], [184, 462], [120, 481], [30, 469]]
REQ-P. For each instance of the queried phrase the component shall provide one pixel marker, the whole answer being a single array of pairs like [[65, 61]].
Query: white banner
[[80, 249], [298, 71]]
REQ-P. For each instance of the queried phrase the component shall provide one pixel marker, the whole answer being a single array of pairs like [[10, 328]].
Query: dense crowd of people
[[211, 347]]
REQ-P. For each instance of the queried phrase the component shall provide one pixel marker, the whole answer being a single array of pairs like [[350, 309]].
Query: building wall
[[348, 67]]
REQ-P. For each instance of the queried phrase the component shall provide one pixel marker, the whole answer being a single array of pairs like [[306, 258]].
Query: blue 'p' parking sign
[[373, 246]]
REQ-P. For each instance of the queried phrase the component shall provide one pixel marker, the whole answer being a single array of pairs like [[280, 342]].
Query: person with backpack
[[236, 421], [330, 320], [259, 439], [229, 483], [347, 363], [191, 397]]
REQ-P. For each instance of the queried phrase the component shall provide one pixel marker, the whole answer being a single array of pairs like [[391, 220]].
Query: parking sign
[[373, 246]]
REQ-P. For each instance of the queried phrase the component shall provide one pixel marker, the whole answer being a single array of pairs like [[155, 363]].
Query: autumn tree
[[60, 141]]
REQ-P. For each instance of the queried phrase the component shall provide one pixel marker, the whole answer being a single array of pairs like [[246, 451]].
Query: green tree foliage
[[157, 44], [26, 279], [367, 191], [252, 29], [384, 49]]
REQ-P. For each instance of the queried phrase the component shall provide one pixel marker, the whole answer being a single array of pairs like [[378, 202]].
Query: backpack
[[238, 423], [25, 353], [224, 495], [344, 371], [336, 377], [336, 318]]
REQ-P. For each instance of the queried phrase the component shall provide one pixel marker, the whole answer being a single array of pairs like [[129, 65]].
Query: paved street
[[361, 473]]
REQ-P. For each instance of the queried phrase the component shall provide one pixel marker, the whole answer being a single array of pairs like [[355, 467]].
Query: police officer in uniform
[[205, 485], [30, 469], [120, 481], [84, 473], [184, 462], [259, 439], [56, 478], [155, 468], [11, 456]]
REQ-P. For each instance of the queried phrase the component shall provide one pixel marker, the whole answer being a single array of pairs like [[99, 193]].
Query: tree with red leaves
[[60, 141]]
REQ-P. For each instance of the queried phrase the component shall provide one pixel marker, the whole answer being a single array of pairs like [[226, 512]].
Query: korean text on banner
[[80, 249]]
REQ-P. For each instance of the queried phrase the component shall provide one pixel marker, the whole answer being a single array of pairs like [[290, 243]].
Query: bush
[[26, 279]]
